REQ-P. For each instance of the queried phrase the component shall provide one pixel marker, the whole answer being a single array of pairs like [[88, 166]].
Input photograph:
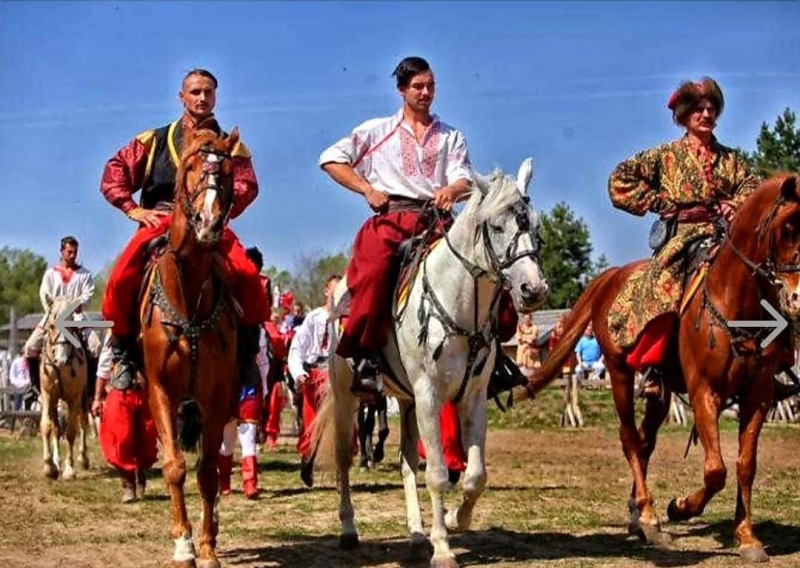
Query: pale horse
[[63, 374], [443, 347]]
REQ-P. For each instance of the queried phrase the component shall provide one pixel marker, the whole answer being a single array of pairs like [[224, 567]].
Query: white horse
[[443, 347], [63, 374]]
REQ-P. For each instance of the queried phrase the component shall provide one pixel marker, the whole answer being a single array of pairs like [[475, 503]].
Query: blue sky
[[577, 86]]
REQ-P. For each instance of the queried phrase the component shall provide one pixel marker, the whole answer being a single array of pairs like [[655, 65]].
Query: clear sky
[[577, 86]]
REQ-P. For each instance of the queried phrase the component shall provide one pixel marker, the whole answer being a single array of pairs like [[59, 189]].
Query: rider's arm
[[341, 158], [124, 172], [245, 184], [635, 184], [744, 180], [459, 168], [299, 350], [46, 289]]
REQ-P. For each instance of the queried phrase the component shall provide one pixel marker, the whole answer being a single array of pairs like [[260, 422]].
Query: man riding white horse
[[399, 164]]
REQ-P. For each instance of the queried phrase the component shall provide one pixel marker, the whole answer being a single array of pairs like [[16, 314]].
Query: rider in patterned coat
[[149, 163], [694, 182]]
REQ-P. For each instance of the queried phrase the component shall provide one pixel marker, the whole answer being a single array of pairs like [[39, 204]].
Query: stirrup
[[367, 378], [651, 384]]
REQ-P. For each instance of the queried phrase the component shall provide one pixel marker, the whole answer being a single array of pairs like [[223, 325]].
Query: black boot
[[365, 376], [33, 370], [785, 390], [652, 383], [249, 336], [307, 471], [123, 354], [505, 376]]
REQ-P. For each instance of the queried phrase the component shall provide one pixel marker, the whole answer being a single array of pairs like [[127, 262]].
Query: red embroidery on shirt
[[408, 153], [66, 273], [430, 150]]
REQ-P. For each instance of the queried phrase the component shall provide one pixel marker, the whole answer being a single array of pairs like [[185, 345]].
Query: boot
[[307, 471], [785, 390], [123, 352], [141, 482], [33, 370], [250, 477], [128, 486], [651, 383], [248, 340], [224, 466], [365, 376], [505, 376]]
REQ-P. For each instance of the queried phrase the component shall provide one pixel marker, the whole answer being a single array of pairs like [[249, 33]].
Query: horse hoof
[[348, 541], [85, 464], [651, 534], [69, 474], [207, 563], [50, 470], [754, 554], [675, 513], [444, 562], [453, 524]]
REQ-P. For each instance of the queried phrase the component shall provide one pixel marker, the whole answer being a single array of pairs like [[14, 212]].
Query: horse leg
[[752, 413], [436, 476], [383, 430], [174, 469], [73, 425], [369, 426], [363, 434], [48, 423], [84, 433], [472, 414], [409, 463], [344, 403], [655, 413], [706, 414], [208, 483], [644, 520]]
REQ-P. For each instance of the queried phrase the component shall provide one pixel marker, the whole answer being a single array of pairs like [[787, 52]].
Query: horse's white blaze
[[184, 549], [208, 203]]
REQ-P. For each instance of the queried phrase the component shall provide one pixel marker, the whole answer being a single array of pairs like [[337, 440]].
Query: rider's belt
[[320, 363], [399, 204], [698, 214]]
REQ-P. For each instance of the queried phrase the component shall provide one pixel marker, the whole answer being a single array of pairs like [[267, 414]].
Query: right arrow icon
[[779, 323]]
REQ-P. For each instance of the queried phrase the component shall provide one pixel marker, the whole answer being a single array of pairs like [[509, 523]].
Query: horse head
[[509, 228], [57, 348], [773, 213], [204, 185]]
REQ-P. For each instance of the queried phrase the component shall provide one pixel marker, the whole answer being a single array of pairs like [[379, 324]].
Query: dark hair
[[203, 73], [686, 98], [332, 277], [69, 241], [255, 257], [408, 68]]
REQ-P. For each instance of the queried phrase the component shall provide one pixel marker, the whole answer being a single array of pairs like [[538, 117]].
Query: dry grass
[[555, 498]]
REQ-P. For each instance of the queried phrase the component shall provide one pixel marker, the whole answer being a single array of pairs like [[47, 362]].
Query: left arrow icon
[[63, 325]]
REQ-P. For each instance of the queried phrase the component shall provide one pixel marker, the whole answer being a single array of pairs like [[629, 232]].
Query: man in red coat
[[149, 163]]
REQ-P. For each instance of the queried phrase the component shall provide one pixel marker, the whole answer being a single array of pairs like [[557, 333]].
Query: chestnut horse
[[189, 335], [758, 258]]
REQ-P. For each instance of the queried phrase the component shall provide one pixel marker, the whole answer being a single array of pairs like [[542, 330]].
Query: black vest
[[158, 189]]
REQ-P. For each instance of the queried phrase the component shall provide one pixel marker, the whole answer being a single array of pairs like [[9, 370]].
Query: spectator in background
[[589, 356], [19, 377], [527, 348]]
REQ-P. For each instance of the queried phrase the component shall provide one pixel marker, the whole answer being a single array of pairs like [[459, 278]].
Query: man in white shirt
[[65, 279], [19, 377], [307, 362], [397, 163]]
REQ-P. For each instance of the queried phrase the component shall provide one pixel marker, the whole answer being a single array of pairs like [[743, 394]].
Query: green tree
[[311, 273], [566, 255], [21, 273], [100, 282], [778, 149]]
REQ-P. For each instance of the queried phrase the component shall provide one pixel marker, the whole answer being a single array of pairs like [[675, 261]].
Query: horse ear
[[233, 137], [524, 175], [789, 188]]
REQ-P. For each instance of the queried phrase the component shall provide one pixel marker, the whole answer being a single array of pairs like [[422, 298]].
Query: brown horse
[[189, 335], [759, 258]]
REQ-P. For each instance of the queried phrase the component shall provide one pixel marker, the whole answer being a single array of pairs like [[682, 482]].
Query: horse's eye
[[496, 228]]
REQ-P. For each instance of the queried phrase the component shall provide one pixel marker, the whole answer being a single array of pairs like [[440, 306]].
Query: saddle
[[699, 256]]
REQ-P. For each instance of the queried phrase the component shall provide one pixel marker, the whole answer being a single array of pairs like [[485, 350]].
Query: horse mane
[[205, 135], [760, 207], [490, 196]]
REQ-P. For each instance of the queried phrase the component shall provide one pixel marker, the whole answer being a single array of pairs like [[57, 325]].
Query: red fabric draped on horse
[[759, 258], [189, 334]]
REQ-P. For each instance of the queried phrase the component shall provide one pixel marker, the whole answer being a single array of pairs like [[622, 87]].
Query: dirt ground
[[555, 498]]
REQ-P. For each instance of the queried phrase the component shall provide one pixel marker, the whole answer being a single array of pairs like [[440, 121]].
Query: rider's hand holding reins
[[445, 198], [147, 217]]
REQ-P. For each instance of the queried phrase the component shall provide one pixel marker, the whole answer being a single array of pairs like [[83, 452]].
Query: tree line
[[566, 252]]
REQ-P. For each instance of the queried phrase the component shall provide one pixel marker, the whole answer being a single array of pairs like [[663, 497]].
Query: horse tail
[[574, 326], [190, 425]]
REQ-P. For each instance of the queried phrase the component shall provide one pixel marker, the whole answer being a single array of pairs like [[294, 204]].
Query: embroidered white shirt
[[386, 153], [19, 374], [309, 343], [79, 285]]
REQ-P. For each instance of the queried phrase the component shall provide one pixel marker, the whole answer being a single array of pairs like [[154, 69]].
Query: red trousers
[[371, 276], [275, 403], [128, 434], [454, 457], [313, 391], [125, 280]]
